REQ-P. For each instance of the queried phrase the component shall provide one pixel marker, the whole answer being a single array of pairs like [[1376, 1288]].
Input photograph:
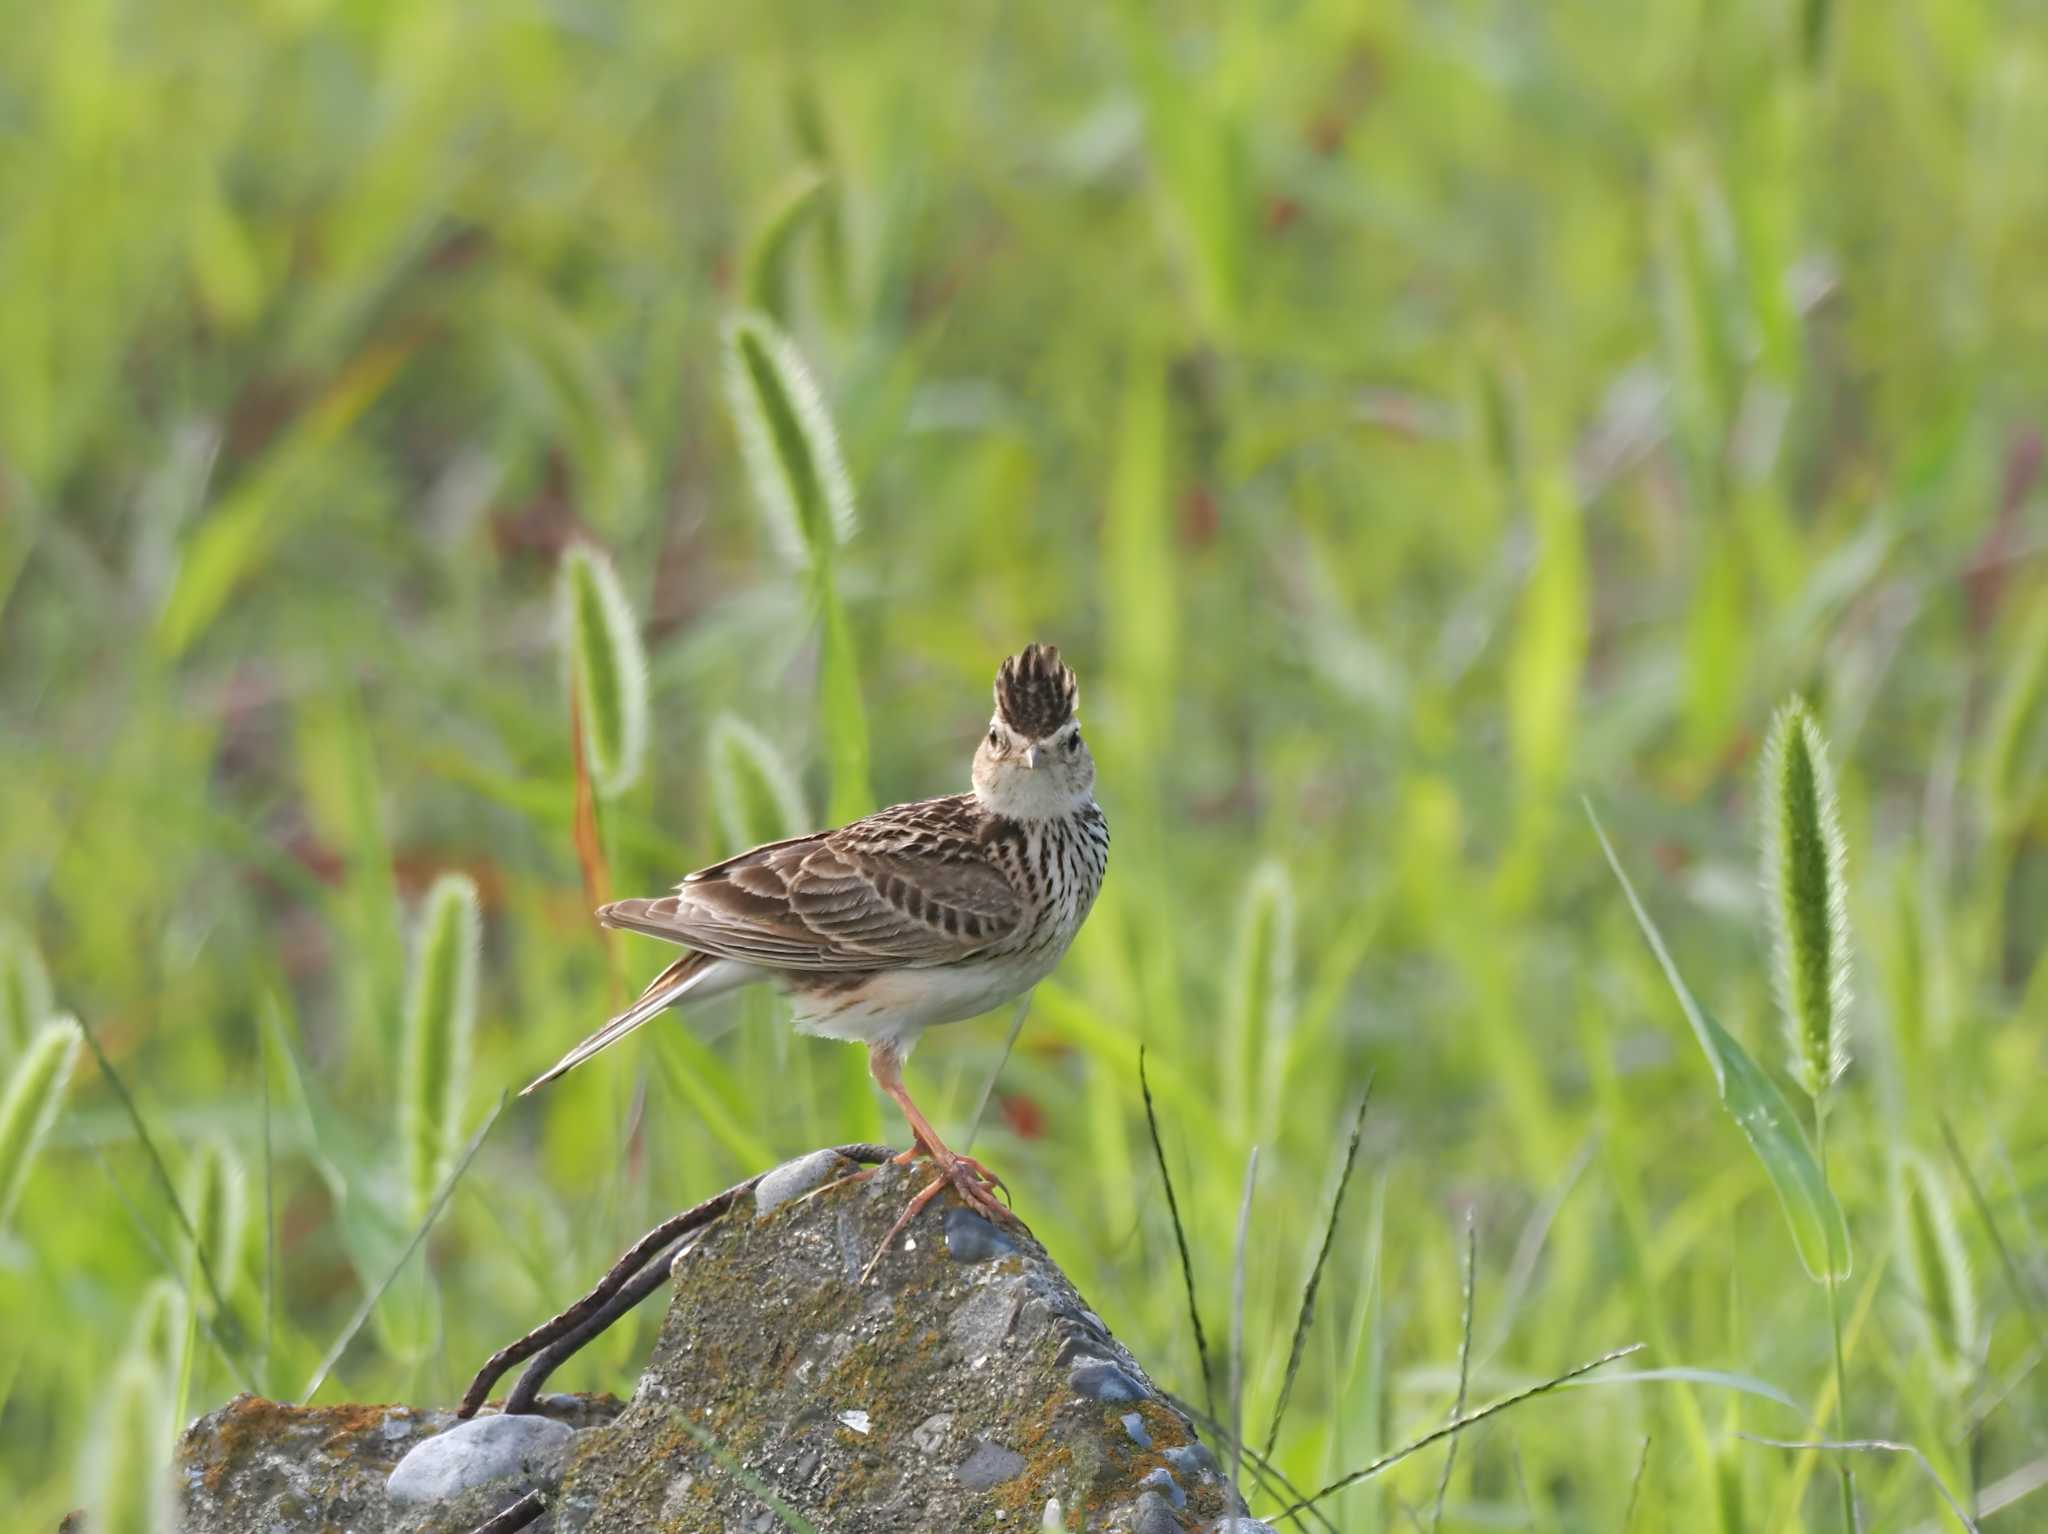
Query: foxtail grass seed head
[[216, 1197], [28, 1107], [1937, 1265], [25, 998], [157, 1328], [440, 1015], [1807, 892], [607, 668], [787, 441], [127, 1472], [757, 795]]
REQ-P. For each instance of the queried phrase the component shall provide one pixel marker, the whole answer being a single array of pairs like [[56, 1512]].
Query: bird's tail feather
[[663, 992]]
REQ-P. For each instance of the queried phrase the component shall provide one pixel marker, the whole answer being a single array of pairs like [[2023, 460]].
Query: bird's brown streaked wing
[[907, 887]]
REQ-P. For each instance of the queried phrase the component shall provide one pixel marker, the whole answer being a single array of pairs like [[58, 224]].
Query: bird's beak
[[1031, 756]]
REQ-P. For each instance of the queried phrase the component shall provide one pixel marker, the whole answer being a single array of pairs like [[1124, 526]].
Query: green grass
[[1407, 422]]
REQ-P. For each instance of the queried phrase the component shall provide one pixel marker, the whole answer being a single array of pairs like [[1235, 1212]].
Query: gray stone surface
[[939, 1395], [522, 1451], [257, 1467]]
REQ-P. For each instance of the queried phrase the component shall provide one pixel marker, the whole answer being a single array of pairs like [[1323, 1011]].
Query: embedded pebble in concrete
[[1154, 1516], [1162, 1481], [1101, 1380], [1193, 1461], [795, 1178], [479, 1451], [970, 1238], [1135, 1426], [989, 1465]]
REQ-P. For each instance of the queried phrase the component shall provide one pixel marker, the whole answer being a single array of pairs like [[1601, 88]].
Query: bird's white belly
[[899, 1004]]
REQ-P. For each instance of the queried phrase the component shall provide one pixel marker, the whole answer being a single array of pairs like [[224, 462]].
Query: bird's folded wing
[[857, 898]]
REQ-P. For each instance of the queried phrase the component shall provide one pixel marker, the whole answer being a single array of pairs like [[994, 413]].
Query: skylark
[[920, 914]]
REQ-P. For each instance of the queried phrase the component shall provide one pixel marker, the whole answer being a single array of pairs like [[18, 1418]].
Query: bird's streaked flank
[[917, 915]]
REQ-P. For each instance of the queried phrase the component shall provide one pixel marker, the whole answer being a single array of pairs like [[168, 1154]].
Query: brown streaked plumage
[[917, 915]]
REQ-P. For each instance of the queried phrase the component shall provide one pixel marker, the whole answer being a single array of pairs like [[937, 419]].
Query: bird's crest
[[1036, 692]]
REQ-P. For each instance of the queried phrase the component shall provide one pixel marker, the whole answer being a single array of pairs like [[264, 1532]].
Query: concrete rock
[[963, 1387], [257, 1467]]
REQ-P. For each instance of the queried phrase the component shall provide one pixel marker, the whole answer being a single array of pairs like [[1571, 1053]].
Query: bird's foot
[[968, 1179]]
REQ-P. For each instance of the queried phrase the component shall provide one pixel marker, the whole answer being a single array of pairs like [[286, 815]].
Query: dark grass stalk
[[369, 1304], [1305, 1316], [1459, 1424], [2008, 1265], [1871, 1446], [1635, 1486], [1180, 1237], [1237, 1276], [1270, 1478], [177, 1272], [269, 1212], [1443, 1484], [226, 1324], [1850, 1521]]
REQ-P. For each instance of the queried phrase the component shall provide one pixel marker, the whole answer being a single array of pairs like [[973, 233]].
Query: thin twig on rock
[[589, 1316], [517, 1516]]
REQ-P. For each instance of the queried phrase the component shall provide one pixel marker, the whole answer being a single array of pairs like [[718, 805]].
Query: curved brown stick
[[645, 1282], [635, 1259]]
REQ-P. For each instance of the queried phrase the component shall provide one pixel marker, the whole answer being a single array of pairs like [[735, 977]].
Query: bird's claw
[[969, 1179]]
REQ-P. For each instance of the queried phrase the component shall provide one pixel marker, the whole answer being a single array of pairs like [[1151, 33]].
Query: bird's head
[[1032, 763]]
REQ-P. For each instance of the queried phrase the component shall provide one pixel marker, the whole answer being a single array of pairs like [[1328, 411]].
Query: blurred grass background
[[1406, 422]]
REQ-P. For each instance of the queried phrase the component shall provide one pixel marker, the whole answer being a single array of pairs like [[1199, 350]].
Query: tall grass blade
[[1305, 1315], [787, 440], [755, 792], [1759, 1109], [269, 1213], [129, 1478], [1635, 1486], [26, 1001], [607, 668], [845, 716], [1874, 1446], [768, 262], [1261, 1006], [224, 1325], [2013, 732], [368, 1306], [1237, 1287], [2015, 1281], [176, 1273], [1808, 900], [1443, 1483], [1937, 1266], [1180, 1239], [440, 1018], [35, 1093]]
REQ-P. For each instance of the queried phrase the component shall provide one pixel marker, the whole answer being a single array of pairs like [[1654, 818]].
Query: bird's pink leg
[[966, 1176]]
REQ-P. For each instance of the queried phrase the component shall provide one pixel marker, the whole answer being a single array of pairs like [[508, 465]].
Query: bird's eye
[[1073, 742]]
